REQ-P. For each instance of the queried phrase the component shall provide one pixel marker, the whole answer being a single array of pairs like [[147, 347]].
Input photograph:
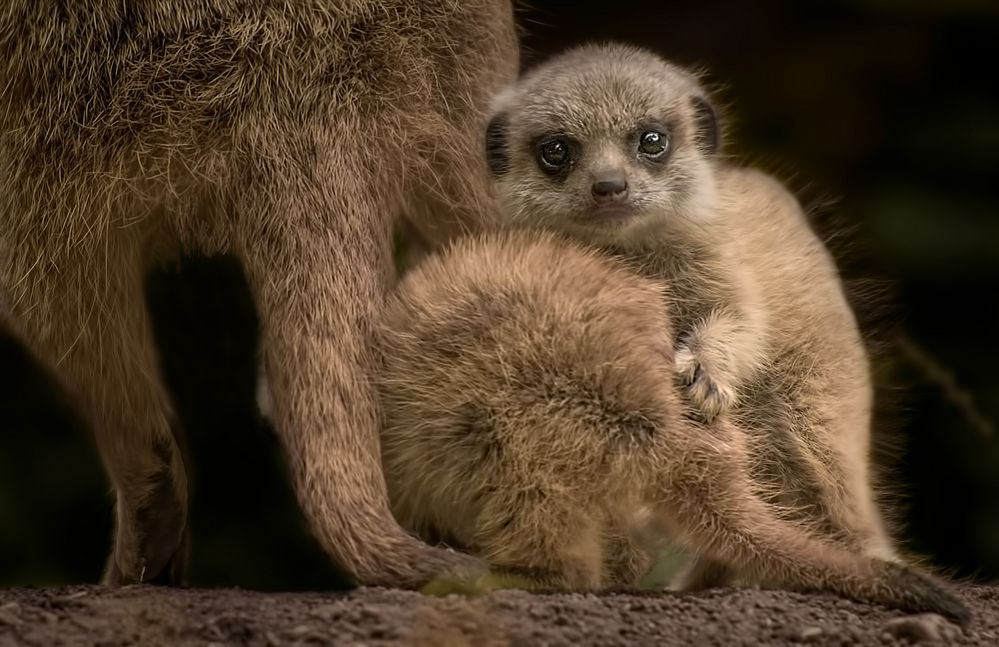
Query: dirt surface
[[141, 615]]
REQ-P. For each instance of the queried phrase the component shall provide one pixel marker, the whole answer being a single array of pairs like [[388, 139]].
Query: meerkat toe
[[425, 565], [685, 365], [716, 400], [171, 573], [151, 544], [708, 396]]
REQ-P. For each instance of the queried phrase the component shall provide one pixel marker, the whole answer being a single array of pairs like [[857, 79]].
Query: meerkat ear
[[497, 148], [706, 124]]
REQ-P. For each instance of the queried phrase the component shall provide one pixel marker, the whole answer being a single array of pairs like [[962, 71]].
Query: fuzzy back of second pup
[[531, 418], [524, 383]]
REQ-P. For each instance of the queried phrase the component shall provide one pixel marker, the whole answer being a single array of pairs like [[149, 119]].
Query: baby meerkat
[[527, 420], [615, 147], [619, 149]]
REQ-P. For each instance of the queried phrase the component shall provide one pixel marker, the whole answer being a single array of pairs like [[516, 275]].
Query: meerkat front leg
[[725, 343], [96, 335], [715, 358], [318, 263]]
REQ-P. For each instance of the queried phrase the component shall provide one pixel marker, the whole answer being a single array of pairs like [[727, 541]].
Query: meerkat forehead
[[597, 89]]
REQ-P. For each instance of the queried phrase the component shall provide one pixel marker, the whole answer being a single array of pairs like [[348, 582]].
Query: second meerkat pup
[[615, 147], [527, 420]]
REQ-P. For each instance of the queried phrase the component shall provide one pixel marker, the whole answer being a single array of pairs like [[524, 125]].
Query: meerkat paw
[[707, 386], [151, 534], [172, 572]]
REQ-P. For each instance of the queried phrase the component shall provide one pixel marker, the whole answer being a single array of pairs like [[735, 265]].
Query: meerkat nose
[[610, 188]]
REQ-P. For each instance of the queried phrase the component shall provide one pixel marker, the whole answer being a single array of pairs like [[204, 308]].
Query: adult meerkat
[[615, 147], [527, 420], [293, 135]]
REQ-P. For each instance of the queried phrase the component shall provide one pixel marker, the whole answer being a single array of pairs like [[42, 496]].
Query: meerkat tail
[[710, 499]]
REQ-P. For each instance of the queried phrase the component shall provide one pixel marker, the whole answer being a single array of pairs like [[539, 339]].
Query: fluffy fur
[[763, 329], [530, 418], [518, 402], [290, 133]]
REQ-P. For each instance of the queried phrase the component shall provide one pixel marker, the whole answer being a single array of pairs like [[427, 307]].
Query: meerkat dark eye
[[553, 154], [653, 144]]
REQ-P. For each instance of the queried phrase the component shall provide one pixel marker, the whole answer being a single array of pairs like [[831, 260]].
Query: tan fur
[[762, 324], [530, 418], [601, 99], [810, 408], [292, 134], [508, 387]]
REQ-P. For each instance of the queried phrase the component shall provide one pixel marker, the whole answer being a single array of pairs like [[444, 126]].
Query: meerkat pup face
[[604, 142]]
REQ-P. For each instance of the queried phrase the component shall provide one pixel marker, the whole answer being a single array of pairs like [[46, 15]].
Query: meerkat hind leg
[[100, 343], [140, 446], [707, 496]]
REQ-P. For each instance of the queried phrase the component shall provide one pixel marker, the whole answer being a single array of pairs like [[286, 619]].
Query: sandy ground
[[141, 615]]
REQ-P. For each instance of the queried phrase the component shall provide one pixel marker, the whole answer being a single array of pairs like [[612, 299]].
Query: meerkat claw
[[709, 396]]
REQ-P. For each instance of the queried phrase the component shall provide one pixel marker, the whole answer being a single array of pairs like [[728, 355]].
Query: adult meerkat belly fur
[[617, 148], [528, 420], [290, 134]]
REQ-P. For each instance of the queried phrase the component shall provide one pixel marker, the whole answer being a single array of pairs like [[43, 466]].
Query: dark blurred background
[[882, 115]]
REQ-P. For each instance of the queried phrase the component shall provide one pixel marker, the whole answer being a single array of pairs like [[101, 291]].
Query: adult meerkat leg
[[322, 264], [317, 257], [707, 495], [173, 96], [91, 326]]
